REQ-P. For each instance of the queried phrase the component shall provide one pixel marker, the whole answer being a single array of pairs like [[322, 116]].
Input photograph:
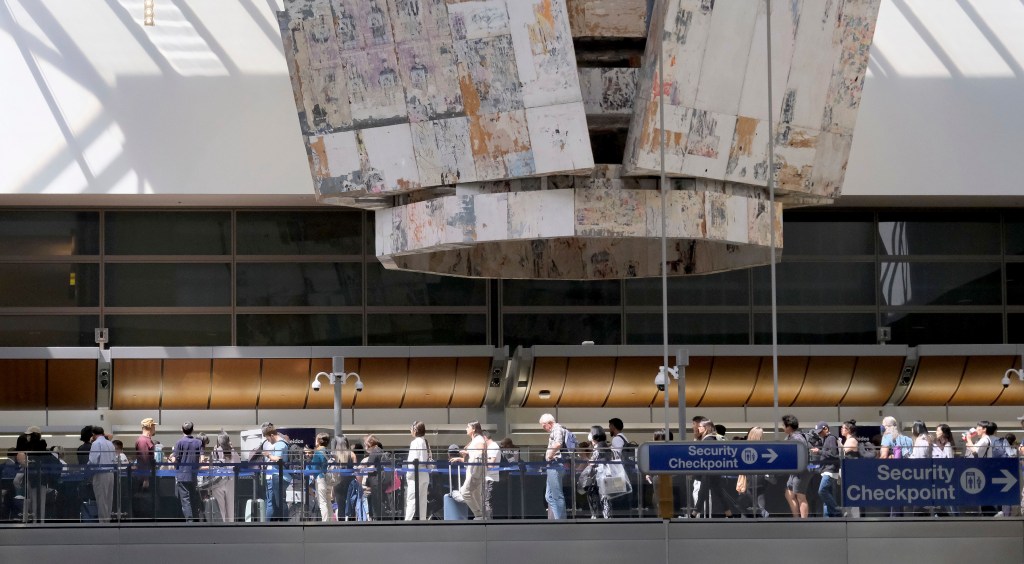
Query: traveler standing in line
[[101, 455], [829, 463], [797, 484], [979, 444], [619, 440], [600, 455], [474, 455], [223, 489], [712, 487], [144, 465], [274, 452], [747, 485], [493, 475], [186, 457], [556, 469], [417, 477], [942, 446], [894, 443], [318, 464]]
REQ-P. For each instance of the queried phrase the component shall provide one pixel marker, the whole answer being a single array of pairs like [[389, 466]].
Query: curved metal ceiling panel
[[186, 383], [587, 381], [874, 379], [384, 382], [71, 384], [548, 380], [732, 380], [827, 381], [136, 384], [236, 383], [431, 382], [471, 381], [980, 384], [24, 384], [936, 381], [792, 371], [633, 385], [1014, 394], [284, 383]]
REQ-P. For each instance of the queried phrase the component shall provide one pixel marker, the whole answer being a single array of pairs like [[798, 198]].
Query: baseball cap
[[32, 429], [821, 425]]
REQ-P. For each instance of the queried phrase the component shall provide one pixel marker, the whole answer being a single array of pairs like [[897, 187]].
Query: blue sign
[[935, 481], [723, 457]]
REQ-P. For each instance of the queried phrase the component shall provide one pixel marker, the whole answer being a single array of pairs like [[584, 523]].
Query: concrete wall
[[650, 542], [199, 107]]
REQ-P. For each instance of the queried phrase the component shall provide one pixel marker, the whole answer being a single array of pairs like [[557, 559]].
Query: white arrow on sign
[[771, 456], [1009, 479]]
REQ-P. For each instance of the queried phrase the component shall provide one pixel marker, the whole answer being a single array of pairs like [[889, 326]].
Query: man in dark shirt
[[144, 467], [186, 459], [797, 484], [828, 454]]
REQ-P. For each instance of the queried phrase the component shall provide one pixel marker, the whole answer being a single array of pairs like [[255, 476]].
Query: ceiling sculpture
[[471, 127]]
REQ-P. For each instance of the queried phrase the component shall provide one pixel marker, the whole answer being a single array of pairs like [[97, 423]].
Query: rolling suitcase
[[89, 513], [211, 511], [255, 510], [455, 510]]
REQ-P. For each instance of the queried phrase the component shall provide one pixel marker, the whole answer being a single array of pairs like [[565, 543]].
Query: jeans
[[826, 492], [188, 495], [553, 491], [277, 510]]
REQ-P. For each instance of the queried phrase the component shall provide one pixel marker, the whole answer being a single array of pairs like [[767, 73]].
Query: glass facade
[[309, 277]]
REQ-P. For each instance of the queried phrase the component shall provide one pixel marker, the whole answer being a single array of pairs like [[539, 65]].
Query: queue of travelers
[[362, 481]]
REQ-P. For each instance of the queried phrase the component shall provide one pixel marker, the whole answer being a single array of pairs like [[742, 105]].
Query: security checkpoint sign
[[723, 457], [935, 481]]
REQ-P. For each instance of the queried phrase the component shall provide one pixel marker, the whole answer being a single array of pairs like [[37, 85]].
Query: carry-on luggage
[[89, 513], [455, 510], [211, 511], [255, 510]]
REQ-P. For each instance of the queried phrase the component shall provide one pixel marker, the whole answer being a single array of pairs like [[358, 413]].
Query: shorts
[[799, 483]]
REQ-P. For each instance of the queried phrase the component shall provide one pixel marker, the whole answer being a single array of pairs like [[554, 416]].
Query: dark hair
[[660, 434], [721, 430], [419, 428], [118, 444], [86, 434], [506, 443], [615, 423], [990, 427], [477, 429], [698, 418], [97, 430], [187, 427], [1010, 438], [918, 428], [789, 420], [597, 433], [203, 439], [946, 433]]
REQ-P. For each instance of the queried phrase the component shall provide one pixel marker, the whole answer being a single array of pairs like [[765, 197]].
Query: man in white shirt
[[101, 454], [979, 445]]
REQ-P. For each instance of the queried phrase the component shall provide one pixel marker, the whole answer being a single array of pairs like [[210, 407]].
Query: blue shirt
[[186, 457]]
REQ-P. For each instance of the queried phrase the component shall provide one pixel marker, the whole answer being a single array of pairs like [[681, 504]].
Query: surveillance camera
[[316, 385], [359, 386], [659, 381], [104, 378], [1006, 381]]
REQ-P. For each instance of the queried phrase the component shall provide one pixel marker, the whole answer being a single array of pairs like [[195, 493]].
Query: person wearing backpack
[[554, 455], [275, 450], [979, 444], [828, 461]]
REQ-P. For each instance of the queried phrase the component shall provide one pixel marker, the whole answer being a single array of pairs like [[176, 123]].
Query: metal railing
[[46, 490]]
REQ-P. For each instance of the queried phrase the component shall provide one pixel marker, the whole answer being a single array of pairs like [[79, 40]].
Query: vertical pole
[[664, 224], [682, 361], [338, 378], [771, 214]]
